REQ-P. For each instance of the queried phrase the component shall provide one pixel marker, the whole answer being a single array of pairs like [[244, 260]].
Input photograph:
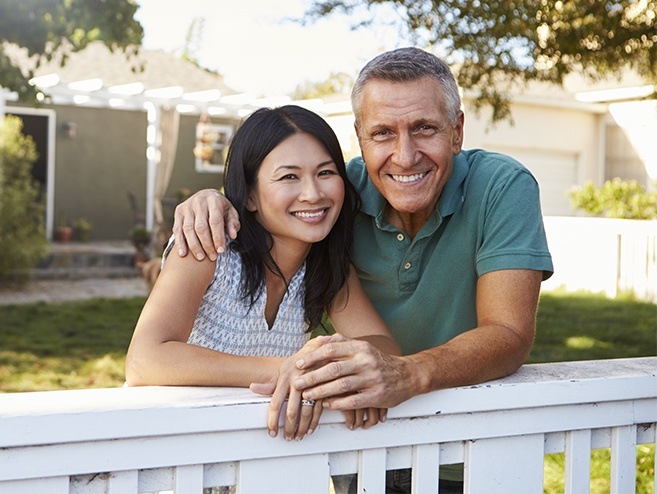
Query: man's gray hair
[[404, 65]]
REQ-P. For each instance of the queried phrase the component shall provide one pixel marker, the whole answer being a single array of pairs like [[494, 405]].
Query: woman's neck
[[289, 258]]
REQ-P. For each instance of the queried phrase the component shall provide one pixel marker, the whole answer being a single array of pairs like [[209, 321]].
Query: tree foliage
[[335, 83], [615, 199], [22, 235], [49, 28], [494, 45]]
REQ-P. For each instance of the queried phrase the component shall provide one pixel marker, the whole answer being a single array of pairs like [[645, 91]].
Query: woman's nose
[[311, 191]]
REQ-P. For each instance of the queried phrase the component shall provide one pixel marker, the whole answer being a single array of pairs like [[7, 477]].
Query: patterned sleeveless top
[[226, 322]]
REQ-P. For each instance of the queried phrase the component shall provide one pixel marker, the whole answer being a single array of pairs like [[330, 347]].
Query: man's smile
[[406, 179]]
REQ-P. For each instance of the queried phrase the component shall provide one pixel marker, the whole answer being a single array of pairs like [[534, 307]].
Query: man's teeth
[[303, 214], [408, 178]]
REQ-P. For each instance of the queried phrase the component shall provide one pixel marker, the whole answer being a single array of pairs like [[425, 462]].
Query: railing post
[[578, 461], [371, 470], [503, 465], [285, 475], [426, 458], [623, 459]]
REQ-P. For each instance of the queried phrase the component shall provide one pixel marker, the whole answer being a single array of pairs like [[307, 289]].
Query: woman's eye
[[289, 176], [328, 172]]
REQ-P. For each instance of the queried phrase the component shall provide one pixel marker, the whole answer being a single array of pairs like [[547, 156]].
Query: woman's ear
[[251, 203]]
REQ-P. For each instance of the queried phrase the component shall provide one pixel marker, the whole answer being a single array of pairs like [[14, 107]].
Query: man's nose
[[405, 151]]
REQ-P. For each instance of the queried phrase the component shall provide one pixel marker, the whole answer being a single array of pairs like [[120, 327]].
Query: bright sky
[[251, 44]]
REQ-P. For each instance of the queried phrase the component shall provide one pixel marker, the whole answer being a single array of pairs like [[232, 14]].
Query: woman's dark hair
[[327, 264]]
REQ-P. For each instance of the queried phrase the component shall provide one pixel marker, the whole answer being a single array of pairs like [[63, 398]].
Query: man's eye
[[426, 129], [381, 134]]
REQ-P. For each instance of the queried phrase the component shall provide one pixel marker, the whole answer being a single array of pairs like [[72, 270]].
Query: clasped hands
[[338, 373]]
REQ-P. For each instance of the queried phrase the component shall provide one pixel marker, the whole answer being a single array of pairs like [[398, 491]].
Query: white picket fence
[[139, 440], [603, 255]]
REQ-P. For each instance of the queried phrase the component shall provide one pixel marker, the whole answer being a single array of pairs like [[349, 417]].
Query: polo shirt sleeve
[[512, 235]]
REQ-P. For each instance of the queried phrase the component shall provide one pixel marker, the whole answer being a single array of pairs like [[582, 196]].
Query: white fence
[[185, 439], [603, 255]]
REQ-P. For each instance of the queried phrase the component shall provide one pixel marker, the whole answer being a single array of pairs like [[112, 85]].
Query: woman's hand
[[300, 418], [364, 417]]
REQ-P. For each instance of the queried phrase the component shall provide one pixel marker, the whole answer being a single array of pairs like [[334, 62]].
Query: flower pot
[[63, 234]]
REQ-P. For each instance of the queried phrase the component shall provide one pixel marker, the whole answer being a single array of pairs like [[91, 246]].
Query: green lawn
[[83, 344], [65, 346]]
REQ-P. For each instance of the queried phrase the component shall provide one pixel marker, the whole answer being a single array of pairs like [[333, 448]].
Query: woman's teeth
[[303, 214]]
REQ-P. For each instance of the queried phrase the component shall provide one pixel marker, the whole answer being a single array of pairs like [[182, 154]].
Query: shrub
[[22, 234], [615, 199]]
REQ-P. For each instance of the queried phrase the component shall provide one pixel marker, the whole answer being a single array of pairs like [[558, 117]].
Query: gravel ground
[[53, 291]]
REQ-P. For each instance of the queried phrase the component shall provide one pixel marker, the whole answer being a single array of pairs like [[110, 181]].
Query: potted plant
[[141, 239], [82, 230], [63, 231]]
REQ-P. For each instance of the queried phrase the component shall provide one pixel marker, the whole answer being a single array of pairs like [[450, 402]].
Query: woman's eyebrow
[[297, 167]]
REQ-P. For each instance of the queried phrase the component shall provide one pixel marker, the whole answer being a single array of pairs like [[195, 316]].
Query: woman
[[247, 316]]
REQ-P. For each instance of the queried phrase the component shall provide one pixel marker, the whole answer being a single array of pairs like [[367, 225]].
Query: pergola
[[162, 107]]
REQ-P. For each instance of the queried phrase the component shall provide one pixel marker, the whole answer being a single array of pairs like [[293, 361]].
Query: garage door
[[556, 172]]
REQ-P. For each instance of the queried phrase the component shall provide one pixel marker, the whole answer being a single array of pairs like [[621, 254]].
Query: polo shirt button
[[400, 237], [407, 265]]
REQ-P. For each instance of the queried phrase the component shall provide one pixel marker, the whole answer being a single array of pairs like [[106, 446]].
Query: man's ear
[[457, 135]]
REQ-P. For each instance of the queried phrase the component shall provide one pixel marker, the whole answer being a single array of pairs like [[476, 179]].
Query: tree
[[49, 28], [494, 45], [336, 83], [22, 235], [193, 41]]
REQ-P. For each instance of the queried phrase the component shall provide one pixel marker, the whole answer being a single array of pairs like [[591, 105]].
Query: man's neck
[[409, 223]]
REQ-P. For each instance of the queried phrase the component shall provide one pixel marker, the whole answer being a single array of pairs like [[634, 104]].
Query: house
[[116, 141], [105, 154]]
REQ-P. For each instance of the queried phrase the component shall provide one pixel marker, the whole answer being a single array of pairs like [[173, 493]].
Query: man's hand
[[302, 419], [357, 376], [202, 222]]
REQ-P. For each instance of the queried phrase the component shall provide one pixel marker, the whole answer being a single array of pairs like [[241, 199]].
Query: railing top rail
[[95, 414]]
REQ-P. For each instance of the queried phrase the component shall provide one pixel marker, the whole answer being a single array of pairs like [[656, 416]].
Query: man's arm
[[202, 222], [506, 311]]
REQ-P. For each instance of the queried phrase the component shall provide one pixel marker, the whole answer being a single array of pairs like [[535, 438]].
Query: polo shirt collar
[[373, 203]]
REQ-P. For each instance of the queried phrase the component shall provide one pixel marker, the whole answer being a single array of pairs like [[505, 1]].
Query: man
[[449, 244]]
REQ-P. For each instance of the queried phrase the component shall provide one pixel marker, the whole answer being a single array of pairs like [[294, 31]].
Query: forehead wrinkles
[[386, 106]]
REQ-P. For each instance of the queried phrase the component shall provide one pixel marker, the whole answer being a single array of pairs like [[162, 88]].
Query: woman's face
[[299, 193]]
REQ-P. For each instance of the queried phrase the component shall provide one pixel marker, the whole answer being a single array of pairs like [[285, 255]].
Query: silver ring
[[308, 403]]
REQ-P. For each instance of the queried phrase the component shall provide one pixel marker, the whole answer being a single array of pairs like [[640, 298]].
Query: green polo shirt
[[488, 218]]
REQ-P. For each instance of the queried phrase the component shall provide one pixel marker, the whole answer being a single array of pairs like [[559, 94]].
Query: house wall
[[632, 151], [561, 145], [98, 167], [105, 161]]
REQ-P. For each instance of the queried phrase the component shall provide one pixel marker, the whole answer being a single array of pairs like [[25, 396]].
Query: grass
[[588, 327], [83, 344], [65, 346]]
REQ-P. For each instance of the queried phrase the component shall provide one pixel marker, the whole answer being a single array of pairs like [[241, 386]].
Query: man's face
[[408, 145]]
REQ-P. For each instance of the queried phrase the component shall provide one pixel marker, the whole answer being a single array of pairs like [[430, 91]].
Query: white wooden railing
[[603, 255], [136, 440]]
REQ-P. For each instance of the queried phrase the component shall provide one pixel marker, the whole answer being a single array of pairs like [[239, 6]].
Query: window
[[210, 149]]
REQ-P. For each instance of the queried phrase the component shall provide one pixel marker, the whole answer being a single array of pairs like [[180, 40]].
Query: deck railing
[[605, 255], [137, 440]]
